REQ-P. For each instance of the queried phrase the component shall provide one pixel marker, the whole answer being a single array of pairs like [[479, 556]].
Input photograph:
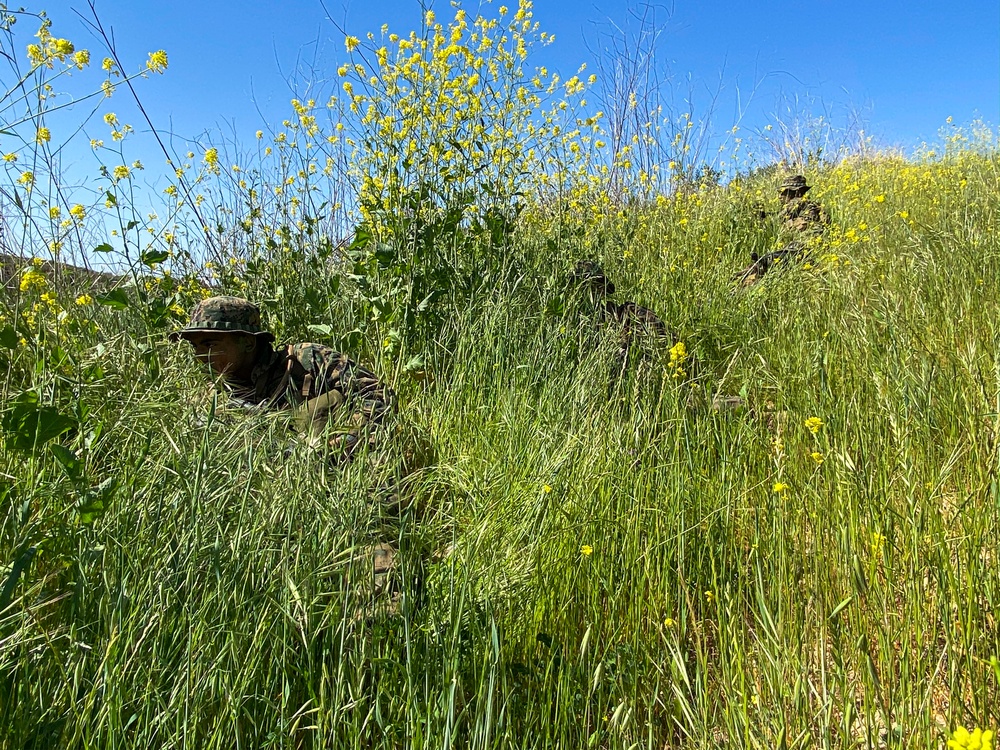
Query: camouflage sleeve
[[806, 216], [342, 383], [640, 318]]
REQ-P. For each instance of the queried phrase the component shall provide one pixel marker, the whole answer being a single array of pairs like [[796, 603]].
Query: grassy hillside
[[576, 568]]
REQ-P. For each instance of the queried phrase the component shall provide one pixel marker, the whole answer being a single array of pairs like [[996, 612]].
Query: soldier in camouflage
[[328, 394], [633, 322], [324, 388], [799, 220]]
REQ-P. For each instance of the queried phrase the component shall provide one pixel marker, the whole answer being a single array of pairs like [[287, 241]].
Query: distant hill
[[11, 267]]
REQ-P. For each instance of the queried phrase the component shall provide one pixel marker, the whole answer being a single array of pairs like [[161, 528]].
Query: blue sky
[[905, 66]]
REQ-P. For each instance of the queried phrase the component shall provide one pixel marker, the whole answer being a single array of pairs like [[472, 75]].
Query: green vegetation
[[817, 568]]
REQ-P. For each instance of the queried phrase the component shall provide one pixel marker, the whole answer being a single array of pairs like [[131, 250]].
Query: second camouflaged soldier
[[800, 220], [326, 389], [632, 321]]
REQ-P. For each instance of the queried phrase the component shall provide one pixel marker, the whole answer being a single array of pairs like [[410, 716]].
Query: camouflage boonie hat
[[590, 272], [224, 315], [795, 184]]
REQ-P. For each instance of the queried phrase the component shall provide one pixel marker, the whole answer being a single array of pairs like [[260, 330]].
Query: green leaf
[[67, 459], [20, 563], [112, 201], [152, 257], [840, 607], [362, 238], [28, 424], [8, 337], [116, 298], [94, 502], [416, 364], [321, 329], [104, 247], [131, 225]]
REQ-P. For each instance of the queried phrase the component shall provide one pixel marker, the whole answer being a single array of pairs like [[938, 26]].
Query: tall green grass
[[577, 567]]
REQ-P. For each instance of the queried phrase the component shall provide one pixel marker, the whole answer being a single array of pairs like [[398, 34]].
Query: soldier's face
[[229, 354]]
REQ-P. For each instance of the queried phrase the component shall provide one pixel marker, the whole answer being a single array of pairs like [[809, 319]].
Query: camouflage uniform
[[313, 380], [299, 374], [803, 216], [319, 386], [800, 219], [634, 322]]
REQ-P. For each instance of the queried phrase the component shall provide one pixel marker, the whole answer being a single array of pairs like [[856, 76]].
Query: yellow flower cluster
[[33, 279], [678, 356], [51, 50], [977, 739], [157, 62]]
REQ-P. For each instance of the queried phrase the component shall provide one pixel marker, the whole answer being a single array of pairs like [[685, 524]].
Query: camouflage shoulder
[[645, 316], [317, 357]]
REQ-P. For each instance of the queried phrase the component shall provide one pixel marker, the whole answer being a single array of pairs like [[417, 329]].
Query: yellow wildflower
[[36, 55], [546, 488], [817, 457], [977, 739], [121, 172], [62, 47], [33, 279], [157, 61], [780, 487], [212, 158], [351, 43], [84, 299], [814, 424], [586, 550], [43, 135], [54, 212], [678, 355]]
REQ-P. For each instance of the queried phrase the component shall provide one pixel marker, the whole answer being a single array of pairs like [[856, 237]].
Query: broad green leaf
[[321, 329], [116, 298], [94, 502], [67, 459], [152, 257], [8, 337], [27, 424]]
